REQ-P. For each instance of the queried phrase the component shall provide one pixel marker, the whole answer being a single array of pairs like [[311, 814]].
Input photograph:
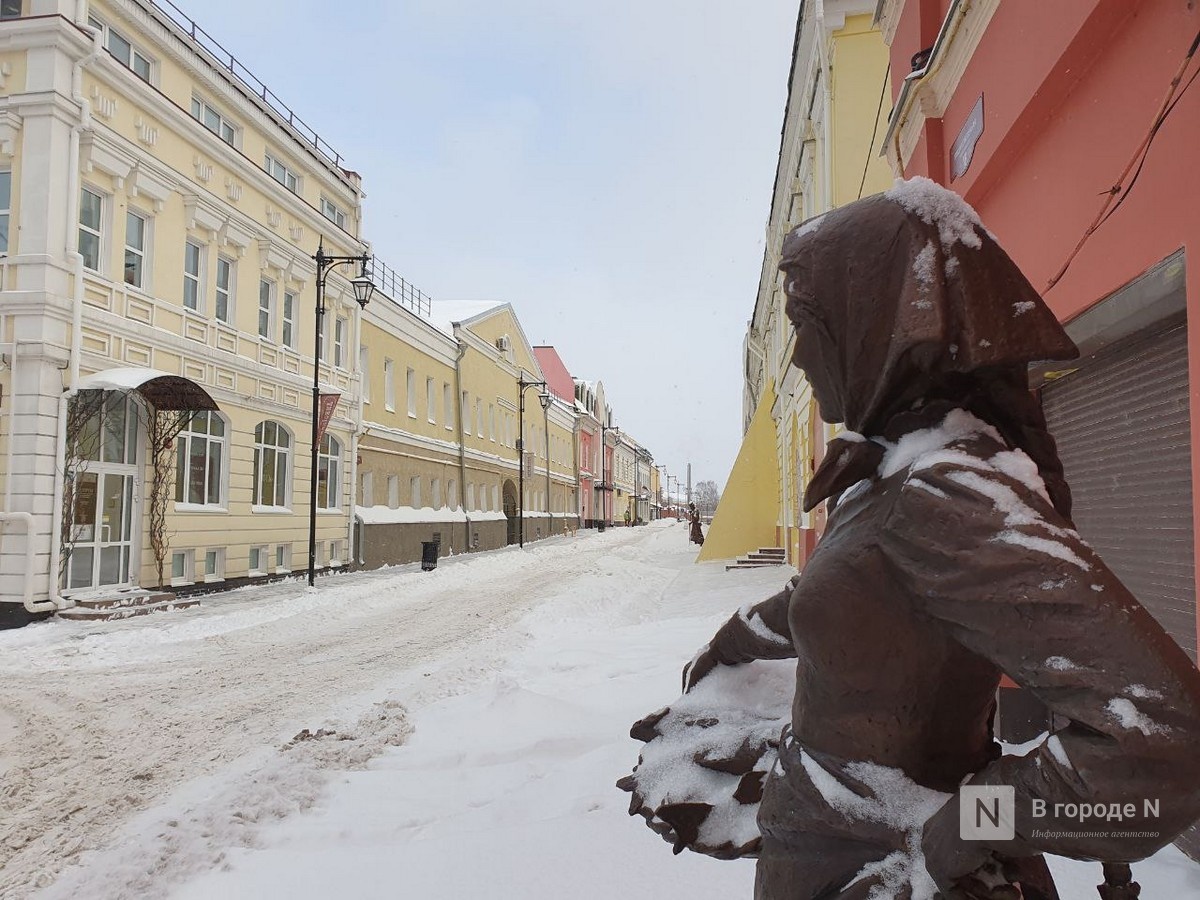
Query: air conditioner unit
[[503, 344]]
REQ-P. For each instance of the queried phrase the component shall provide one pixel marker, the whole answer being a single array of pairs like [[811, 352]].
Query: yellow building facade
[[837, 99]]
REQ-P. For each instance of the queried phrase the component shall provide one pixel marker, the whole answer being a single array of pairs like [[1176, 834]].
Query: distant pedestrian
[[697, 535]]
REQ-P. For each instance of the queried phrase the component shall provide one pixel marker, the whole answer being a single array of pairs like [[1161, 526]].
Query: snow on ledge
[[386, 515]]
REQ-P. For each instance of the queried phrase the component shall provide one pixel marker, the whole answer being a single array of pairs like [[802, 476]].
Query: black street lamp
[[544, 397], [363, 288], [605, 487]]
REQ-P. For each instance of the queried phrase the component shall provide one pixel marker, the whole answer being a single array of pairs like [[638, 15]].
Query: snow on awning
[[161, 390]]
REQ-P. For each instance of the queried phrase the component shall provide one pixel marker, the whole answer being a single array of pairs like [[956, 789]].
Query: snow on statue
[[949, 558]]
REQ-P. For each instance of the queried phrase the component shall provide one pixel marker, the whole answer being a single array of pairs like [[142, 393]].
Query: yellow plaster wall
[[748, 513], [860, 59]]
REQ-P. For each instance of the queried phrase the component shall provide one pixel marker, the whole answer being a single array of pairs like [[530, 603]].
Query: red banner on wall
[[326, 407]]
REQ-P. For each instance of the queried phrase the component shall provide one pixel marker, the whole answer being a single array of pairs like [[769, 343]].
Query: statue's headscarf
[[917, 304]]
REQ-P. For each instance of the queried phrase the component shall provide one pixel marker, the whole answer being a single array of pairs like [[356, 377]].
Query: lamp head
[[545, 399], [363, 286]]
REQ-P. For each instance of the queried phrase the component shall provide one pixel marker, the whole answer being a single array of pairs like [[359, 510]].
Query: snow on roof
[[125, 379], [444, 313], [935, 205]]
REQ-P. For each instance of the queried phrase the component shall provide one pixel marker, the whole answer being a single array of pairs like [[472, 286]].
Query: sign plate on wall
[[963, 148]]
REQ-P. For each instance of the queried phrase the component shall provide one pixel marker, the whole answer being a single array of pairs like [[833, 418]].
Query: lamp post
[[605, 487], [363, 288], [662, 479], [544, 397]]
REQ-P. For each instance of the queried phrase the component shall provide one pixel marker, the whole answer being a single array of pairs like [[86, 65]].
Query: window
[[91, 209], [491, 423], [289, 319], [258, 560], [367, 491], [183, 566], [213, 121], [266, 309], [335, 553], [281, 173], [364, 372], [389, 385], [414, 487], [411, 385], [435, 493], [10, 9], [466, 412], [452, 493], [5, 208], [135, 249], [283, 558], [200, 452], [447, 405], [272, 458], [496, 497], [483, 498], [192, 254], [470, 496], [394, 491], [339, 342], [479, 416], [431, 401], [329, 473], [128, 55], [214, 564], [333, 214], [224, 288]]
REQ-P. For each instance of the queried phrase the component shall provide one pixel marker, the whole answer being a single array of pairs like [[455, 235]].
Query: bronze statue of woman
[[949, 559]]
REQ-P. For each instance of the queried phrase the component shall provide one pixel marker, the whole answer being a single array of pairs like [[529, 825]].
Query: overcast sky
[[606, 167]]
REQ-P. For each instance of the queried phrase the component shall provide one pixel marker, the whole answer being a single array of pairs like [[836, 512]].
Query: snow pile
[[699, 779], [897, 801], [809, 227], [958, 425], [956, 221], [1131, 717], [197, 839]]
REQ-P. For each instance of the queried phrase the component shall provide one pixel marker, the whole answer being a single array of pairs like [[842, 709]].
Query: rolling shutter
[[1124, 436]]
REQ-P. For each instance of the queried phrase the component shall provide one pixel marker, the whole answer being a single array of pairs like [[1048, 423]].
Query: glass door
[[101, 553]]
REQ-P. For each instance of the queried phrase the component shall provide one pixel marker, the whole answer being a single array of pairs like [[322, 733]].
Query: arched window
[[272, 465], [200, 452], [329, 473], [452, 494]]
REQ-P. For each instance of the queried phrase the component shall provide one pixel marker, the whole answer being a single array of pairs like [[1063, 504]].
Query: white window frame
[[448, 405], [452, 493], [283, 559], [431, 401], [196, 279], [97, 232], [340, 329], [470, 507], [266, 330], [414, 491], [435, 493], [264, 559], [281, 172], [479, 416], [329, 474], [491, 423], [142, 253], [5, 208], [364, 372], [333, 213], [228, 292], [185, 442], [187, 569], [282, 455], [217, 555], [393, 484], [212, 119], [410, 383], [335, 553], [138, 62], [389, 385], [287, 320]]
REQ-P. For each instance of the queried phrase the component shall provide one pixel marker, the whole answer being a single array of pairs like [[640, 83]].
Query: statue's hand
[[702, 663], [956, 864]]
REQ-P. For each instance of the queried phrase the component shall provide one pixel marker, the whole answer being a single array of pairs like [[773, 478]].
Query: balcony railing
[[399, 291], [218, 56]]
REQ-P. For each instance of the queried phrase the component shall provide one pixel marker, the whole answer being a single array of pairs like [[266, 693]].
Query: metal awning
[[160, 390]]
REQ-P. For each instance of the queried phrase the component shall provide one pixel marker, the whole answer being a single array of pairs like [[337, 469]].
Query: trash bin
[[429, 555], [600, 526]]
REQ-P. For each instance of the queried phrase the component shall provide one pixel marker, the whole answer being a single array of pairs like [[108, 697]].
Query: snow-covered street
[[388, 734]]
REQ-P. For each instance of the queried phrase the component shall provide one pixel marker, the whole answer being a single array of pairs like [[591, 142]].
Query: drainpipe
[[462, 446], [75, 258], [950, 24], [549, 488]]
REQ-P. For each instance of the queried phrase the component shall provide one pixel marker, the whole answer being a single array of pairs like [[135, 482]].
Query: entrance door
[[510, 512], [104, 512]]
